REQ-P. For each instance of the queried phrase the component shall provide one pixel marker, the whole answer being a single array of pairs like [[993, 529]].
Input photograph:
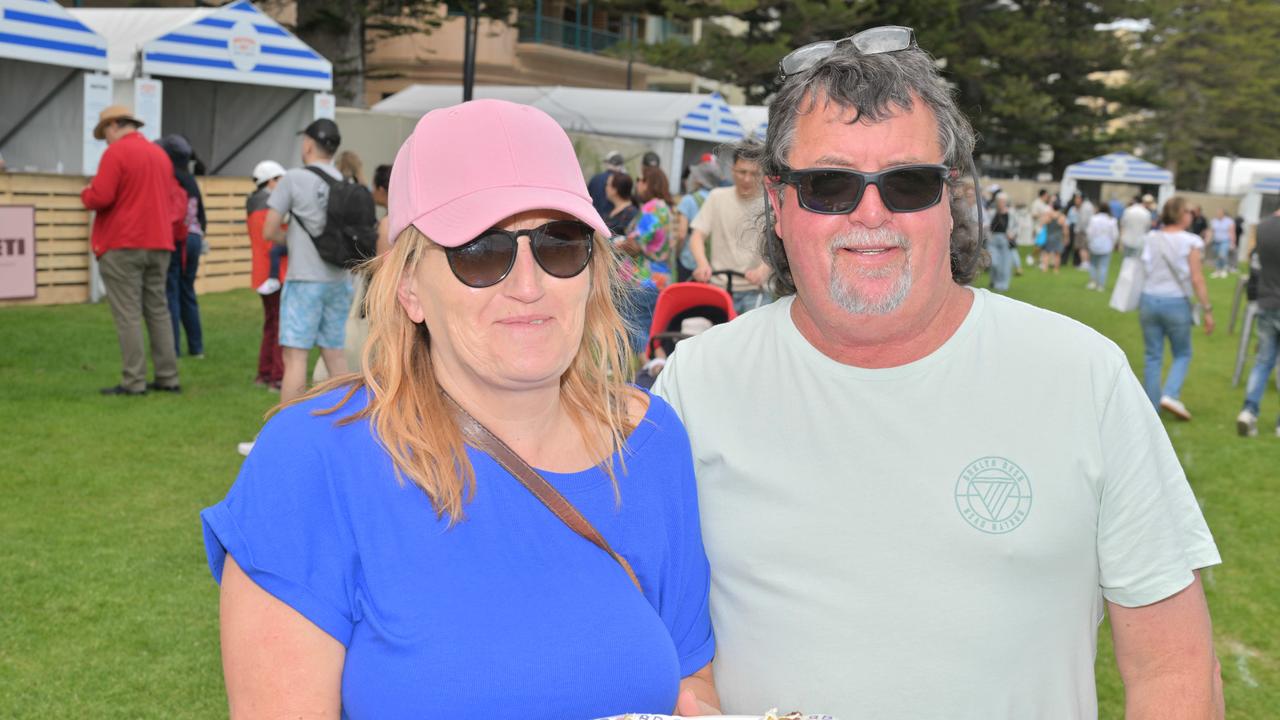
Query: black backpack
[[350, 234]]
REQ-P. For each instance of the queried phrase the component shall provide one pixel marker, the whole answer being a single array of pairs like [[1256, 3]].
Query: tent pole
[[260, 129], [39, 106]]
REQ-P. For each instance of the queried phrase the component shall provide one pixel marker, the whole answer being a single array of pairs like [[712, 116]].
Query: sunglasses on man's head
[[837, 191], [562, 248], [890, 38]]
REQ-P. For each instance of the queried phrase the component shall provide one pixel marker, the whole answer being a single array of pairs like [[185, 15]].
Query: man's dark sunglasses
[[885, 39], [562, 248], [837, 191]]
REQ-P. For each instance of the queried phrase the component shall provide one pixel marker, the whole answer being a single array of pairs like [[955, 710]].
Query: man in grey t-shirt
[[317, 295]]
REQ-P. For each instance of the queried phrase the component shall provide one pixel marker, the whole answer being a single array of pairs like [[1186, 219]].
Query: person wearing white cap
[[388, 550], [267, 260]]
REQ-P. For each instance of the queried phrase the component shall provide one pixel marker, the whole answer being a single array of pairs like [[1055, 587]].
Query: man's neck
[[890, 340]]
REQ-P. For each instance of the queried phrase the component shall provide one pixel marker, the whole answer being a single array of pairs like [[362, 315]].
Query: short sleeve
[[1151, 533], [684, 597], [667, 385], [281, 199], [688, 207], [283, 525]]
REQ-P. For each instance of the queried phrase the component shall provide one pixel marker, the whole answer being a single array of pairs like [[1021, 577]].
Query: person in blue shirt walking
[[375, 564]]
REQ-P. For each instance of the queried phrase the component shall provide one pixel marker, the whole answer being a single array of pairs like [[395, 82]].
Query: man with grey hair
[[895, 525]]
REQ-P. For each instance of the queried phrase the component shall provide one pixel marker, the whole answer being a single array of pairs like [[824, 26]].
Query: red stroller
[[676, 303]]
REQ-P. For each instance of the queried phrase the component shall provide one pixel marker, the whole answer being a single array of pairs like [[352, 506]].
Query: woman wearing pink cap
[[386, 552]]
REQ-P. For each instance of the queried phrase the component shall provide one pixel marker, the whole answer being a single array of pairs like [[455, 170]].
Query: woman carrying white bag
[[1172, 276]]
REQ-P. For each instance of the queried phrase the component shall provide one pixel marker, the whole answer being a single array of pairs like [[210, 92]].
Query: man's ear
[[774, 195], [408, 295]]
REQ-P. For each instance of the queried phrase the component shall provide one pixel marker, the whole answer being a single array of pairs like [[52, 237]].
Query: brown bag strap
[[479, 437]]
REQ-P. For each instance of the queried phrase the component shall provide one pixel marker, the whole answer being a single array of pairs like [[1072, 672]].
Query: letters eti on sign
[[17, 252]]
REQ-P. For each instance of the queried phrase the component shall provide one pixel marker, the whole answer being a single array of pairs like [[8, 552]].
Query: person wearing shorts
[[317, 295]]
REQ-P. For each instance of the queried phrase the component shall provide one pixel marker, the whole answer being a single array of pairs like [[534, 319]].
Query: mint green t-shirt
[[934, 540]]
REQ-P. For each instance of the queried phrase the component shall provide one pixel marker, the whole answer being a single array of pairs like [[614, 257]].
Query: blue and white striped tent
[[1119, 168], [232, 79], [42, 31], [50, 63], [1267, 185], [1251, 205], [712, 121], [235, 43], [755, 119]]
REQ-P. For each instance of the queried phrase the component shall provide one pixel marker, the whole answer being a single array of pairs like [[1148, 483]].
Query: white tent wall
[[375, 137], [233, 126], [48, 141]]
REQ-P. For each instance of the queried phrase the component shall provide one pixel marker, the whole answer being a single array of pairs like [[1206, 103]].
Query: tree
[[1208, 68], [1021, 69], [340, 30]]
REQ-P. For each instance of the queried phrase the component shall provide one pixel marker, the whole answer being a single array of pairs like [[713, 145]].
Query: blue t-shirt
[[508, 614]]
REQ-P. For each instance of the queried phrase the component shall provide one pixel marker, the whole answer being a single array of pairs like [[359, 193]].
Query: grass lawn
[[107, 608]]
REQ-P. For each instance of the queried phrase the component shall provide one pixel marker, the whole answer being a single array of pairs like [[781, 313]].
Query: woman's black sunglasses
[[562, 248], [837, 191]]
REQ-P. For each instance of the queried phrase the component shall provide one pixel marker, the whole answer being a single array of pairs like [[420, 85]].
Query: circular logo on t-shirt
[[993, 495], [244, 46]]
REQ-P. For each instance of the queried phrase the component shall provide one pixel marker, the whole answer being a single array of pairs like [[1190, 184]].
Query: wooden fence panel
[[63, 232]]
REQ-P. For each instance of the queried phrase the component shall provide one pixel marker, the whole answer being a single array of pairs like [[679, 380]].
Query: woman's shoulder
[[319, 422]]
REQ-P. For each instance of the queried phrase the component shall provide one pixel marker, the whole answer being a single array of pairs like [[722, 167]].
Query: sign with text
[[324, 105], [148, 99], [97, 96], [17, 252]]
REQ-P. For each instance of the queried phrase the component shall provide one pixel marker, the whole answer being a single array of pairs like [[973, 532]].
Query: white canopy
[[626, 113], [755, 119], [42, 31], [1117, 167], [235, 43], [664, 120]]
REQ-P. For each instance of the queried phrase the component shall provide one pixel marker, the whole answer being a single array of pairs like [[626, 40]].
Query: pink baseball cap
[[465, 168]]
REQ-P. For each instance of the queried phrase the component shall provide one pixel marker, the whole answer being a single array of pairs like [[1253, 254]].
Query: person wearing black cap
[[596, 186], [317, 295], [651, 159], [180, 287]]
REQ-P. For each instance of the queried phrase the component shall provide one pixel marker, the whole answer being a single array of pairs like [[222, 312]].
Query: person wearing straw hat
[[389, 550], [133, 238]]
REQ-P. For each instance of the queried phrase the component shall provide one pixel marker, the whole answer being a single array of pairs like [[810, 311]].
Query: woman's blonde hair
[[351, 166], [406, 406]]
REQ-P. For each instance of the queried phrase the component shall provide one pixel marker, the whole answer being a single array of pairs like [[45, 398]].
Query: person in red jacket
[[270, 362], [133, 236]]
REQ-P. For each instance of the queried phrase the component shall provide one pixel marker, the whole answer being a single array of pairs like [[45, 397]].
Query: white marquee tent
[[1262, 198], [231, 79], [677, 126], [1118, 168], [53, 62]]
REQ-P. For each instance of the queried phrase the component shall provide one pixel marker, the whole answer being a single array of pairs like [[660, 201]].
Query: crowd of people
[[477, 491]]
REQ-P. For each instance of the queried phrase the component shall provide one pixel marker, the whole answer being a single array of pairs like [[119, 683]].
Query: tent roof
[[1267, 185], [234, 43], [755, 118], [42, 31], [626, 113], [1119, 167]]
